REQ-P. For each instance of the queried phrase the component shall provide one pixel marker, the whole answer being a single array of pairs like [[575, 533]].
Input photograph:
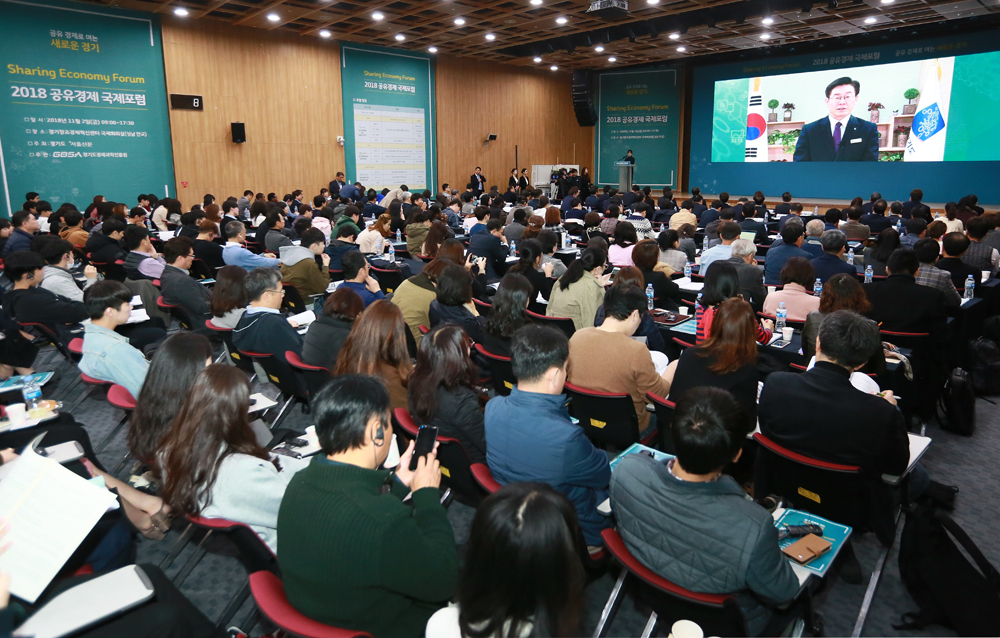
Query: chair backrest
[[405, 421], [456, 470], [791, 323], [112, 270], [49, 333], [683, 344], [280, 374], [313, 377], [562, 323], [292, 301], [269, 594], [664, 419], [239, 360], [911, 340], [841, 493], [482, 307], [200, 270], [388, 280], [716, 614], [178, 313], [500, 370], [606, 418], [251, 550], [484, 478]]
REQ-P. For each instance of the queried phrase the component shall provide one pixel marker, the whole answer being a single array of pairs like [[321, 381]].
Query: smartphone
[[63, 452], [780, 343], [296, 442], [206, 281], [426, 438]]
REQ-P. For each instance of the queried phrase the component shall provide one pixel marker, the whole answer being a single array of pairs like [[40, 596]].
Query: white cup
[[683, 310], [771, 289], [786, 333], [686, 629], [15, 412]]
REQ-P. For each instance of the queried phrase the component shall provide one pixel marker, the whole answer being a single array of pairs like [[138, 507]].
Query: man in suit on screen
[[839, 137]]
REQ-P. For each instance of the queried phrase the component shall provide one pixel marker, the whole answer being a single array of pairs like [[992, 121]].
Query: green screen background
[[975, 92]]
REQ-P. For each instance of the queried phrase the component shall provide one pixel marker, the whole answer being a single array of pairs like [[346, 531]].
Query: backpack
[[958, 402], [949, 590], [985, 358]]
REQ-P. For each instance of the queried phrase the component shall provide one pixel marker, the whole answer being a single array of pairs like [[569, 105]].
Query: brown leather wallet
[[807, 548]]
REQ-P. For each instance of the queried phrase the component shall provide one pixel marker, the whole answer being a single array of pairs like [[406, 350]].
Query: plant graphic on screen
[[875, 109], [788, 107], [911, 108], [772, 116]]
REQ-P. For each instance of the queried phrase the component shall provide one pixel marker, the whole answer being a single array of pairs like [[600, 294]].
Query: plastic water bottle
[[32, 393], [850, 256], [399, 235], [818, 287], [868, 275], [687, 270], [970, 290], [780, 317], [379, 246], [392, 254], [513, 248], [816, 211], [899, 226], [649, 296]]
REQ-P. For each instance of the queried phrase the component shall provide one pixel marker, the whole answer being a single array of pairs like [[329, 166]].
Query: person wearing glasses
[[838, 137], [263, 328]]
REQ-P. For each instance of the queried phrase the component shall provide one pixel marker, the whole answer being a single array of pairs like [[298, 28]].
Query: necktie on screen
[[836, 137]]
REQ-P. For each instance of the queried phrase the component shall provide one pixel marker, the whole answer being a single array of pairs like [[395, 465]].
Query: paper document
[[333, 285], [166, 234], [138, 315], [918, 445], [684, 283], [49, 511], [136, 301], [303, 318], [259, 402]]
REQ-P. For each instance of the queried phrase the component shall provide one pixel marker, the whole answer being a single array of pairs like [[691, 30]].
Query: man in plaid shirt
[[927, 251]]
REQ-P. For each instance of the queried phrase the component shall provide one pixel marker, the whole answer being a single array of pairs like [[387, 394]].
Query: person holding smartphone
[[352, 553]]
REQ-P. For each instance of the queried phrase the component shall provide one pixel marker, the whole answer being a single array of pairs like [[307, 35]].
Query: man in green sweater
[[352, 554]]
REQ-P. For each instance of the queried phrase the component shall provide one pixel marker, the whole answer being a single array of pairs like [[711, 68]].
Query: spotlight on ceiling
[[459, 21], [432, 50], [561, 20], [599, 49], [537, 59], [553, 68], [612, 59], [325, 34], [675, 36], [871, 20], [273, 17], [490, 37], [681, 49], [765, 36], [377, 16], [767, 21], [180, 11], [400, 37]]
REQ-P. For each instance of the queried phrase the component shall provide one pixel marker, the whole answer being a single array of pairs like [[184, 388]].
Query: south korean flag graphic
[[926, 140], [756, 141]]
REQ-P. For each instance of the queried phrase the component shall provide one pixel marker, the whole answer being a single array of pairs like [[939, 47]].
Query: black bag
[[948, 589], [958, 402], [985, 358]]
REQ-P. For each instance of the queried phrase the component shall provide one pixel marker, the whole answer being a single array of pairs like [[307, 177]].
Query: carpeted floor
[[969, 463]]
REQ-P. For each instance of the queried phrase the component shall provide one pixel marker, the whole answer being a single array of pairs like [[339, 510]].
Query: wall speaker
[[239, 132], [583, 98]]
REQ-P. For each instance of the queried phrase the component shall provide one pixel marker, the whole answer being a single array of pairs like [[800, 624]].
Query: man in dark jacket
[[749, 273], [29, 303], [179, 287], [777, 256], [877, 220], [262, 328], [831, 262], [953, 247], [344, 243], [749, 223], [493, 246], [25, 225], [530, 437], [899, 304], [690, 523], [105, 246]]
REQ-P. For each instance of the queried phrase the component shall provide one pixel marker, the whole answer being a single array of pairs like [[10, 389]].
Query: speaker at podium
[[625, 170]]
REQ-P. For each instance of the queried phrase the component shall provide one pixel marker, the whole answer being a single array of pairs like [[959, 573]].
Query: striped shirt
[[703, 319]]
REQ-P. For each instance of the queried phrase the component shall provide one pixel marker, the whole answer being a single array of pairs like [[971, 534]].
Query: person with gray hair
[[744, 257], [263, 328], [812, 244], [236, 254], [831, 262]]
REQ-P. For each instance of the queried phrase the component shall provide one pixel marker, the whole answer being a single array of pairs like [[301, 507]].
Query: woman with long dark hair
[[442, 389], [530, 260], [211, 462], [877, 256], [646, 256], [377, 347], [841, 292], [580, 291], [437, 234], [508, 313], [229, 296], [522, 574], [454, 302], [397, 222], [620, 252], [721, 283], [168, 381], [326, 336], [669, 243]]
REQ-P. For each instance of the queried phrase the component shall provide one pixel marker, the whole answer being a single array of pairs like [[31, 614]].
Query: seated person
[[107, 355], [341, 246], [549, 241], [821, 415], [357, 277], [916, 229], [632, 370], [645, 256], [508, 312], [299, 267], [980, 255], [236, 254], [229, 297], [454, 302], [326, 336], [813, 243], [632, 276], [899, 304], [831, 262], [729, 231], [749, 224], [72, 229], [58, 256], [580, 292], [539, 274], [30, 303], [414, 296], [853, 228], [137, 217], [104, 246], [530, 437], [492, 245], [878, 255], [212, 430], [798, 279], [179, 287], [482, 214], [25, 225], [953, 248], [352, 554], [749, 275], [376, 346], [721, 283], [263, 328], [205, 247], [791, 246], [927, 252], [142, 261], [691, 524], [442, 389], [274, 239]]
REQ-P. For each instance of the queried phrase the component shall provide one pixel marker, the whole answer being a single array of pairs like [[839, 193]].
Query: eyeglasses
[[279, 291]]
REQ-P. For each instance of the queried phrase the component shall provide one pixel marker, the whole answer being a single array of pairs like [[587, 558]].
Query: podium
[[625, 170]]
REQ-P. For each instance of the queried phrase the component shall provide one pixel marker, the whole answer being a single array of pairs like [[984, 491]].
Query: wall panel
[[530, 108]]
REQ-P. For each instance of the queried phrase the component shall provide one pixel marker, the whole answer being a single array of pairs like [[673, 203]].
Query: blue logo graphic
[[927, 122]]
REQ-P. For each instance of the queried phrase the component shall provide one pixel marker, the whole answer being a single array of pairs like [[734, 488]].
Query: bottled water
[[513, 248], [868, 275], [850, 256], [816, 211], [970, 289], [399, 235], [899, 226], [379, 247], [687, 270], [32, 394], [818, 287], [649, 296], [780, 317], [392, 254]]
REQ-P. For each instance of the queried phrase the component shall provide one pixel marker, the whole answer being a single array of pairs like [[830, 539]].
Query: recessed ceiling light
[[681, 49], [432, 50], [377, 16], [325, 34], [767, 20], [459, 21], [400, 37], [599, 48], [273, 17], [871, 20], [888, 1], [536, 2], [561, 20], [490, 37], [612, 59], [537, 60], [651, 2], [765, 36], [553, 68], [675, 36], [180, 11]]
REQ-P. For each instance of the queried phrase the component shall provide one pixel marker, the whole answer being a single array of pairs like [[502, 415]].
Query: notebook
[[835, 533], [918, 445]]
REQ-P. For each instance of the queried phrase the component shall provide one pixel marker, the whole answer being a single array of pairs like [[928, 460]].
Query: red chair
[[500, 370], [562, 323], [482, 307], [716, 614], [119, 397], [76, 346], [177, 312], [269, 594], [281, 374], [607, 418], [664, 418], [683, 344], [456, 469], [423, 329], [244, 364], [485, 478], [388, 280], [49, 333], [313, 377], [336, 275]]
